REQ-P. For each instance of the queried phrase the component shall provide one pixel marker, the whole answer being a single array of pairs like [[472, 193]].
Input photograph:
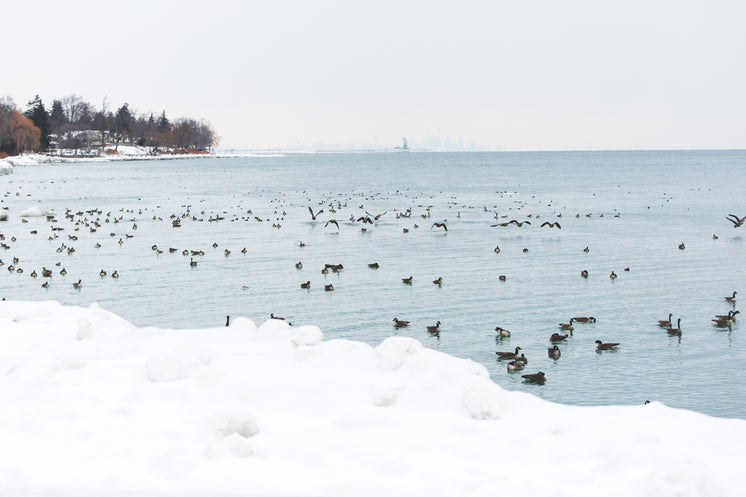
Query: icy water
[[631, 209]]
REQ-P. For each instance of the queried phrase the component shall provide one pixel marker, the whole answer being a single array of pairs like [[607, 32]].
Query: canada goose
[[215, 245], [227, 252], [714, 237], [556, 337], [723, 322], [517, 223], [301, 244], [313, 216], [502, 332], [19, 270], [551, 225], [677, 330], [307, 284], [115, 274], [732, 298], [332, 221], [554, 352], [502, 277], [33, 273], [434, 329], [299, 265], [399, 323], [243, 250], [539, 377], [329, 287], [272, 316], [227, 320], [665, 323], [325, 271], [376, 216], [439, 225], [584, 273], [731, 315], [78, 284], [364, 219], [63, 271], [508, 355], [586, 250], [497, 249], [45, 284], [682, 246], [192, 262], [407, 281], [567, 326], [612, 275], [47, 273], [522, 358], [737, 222], [584, 319], [438, 282], [515, 365], [525, 251], [373, 265], [605, 346]]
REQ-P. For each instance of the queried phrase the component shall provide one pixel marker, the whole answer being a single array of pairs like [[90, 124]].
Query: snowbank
[[95, 406]]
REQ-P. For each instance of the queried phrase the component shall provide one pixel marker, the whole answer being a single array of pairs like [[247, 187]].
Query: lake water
[[631, 209]]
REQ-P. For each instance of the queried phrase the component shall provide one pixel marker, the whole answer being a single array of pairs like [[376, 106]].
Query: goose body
[[584, 319], [502, 332], [307, 284], [732, 298], [665, 323], [539, 377], [515, 365], [567, 326], [329, 287], [407, 281], [399, 323], [508, 355], [434, 329], [556, 337], [677, 330], [554, 352], [605, 346], [439, 281]]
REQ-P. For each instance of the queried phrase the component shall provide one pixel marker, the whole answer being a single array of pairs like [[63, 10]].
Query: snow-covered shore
[[93, 405]]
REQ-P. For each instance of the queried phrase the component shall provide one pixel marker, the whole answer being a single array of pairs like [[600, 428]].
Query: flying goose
[[313, 216], [332, 221], [737, 222], [439, 225], [551, 225]]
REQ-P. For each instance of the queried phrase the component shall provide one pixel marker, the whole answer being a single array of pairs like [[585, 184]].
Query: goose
[[502, 332], [539, 377], [399, 323], [497, 249], [554, 352], [102, 273], [522, 358], [723, 322], [434, 329], [556, 337], [605, 346], [502, 277], [299, 265], [313, 216], [63, 271], [508, 355], [373, 265], [78, 284], [227, 252], [332, 221], [272, 316], [515, 365], [677, 330], [732, 298], [586, 250], [115, 274], [613, 275], [682, 246], [439, 225], [567, 326], [192, 262], [45, 284], [329, 287], [47, 273], [731, 315], [227, 320], [551, 225], [307, 284], [407, 281], [737, 222], [438, 282], [325, 271], [33, 273], [665, 323], [584, 273], [584, 319]]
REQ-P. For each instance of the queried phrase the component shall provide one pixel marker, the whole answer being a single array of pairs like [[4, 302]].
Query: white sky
[[509, 75]]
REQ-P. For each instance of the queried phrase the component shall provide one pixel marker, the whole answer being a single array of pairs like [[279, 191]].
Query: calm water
[[641, 206]]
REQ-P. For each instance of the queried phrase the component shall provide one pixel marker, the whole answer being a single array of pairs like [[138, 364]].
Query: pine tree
[[57, 118], [39, 116]]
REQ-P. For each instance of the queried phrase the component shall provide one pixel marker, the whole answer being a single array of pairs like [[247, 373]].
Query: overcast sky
[[507, 75]]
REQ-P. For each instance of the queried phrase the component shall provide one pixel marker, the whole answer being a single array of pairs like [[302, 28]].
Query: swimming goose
[[497, 249], [373, 265], [731, 315], [45, 284], [272, 316], [228, 320], [192, 262], [399, 323], [584, 319], [508, 355], [115, 274], [515, 365], [677, 330], [33, 273], [682, 246], [556, 337], [329, 287], [502, 277], [438, 282], [665, 323], [567, 326], [407, 281], [584, 273], [731, 298], [723, 323], [605, 346], [502, 332], [539, 377], [63, 271], [434, 329], [307, 284], [613, 275], [78, 284], [299, 265], [554, 352]]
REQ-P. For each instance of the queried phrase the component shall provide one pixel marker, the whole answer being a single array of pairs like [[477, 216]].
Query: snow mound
[[35, 211]]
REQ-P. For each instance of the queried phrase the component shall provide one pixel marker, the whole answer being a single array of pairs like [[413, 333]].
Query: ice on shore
[[92, 405]]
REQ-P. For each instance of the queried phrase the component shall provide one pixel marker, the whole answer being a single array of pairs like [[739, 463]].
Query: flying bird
[[737, 222], [365, 219], [439, 225], [375, 217], [551, 225], [313, 216], [332, 221]]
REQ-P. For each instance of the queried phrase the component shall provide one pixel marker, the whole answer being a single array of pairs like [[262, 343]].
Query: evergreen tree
[[57, 118], [163, 123], [39, 116]]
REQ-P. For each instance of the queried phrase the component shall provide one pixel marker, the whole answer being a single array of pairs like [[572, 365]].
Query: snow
[[92, 405]]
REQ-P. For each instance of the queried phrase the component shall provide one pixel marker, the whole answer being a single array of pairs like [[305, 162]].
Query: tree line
[[74, 124]]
